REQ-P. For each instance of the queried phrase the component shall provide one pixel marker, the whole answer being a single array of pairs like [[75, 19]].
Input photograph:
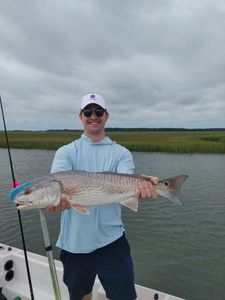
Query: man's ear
[[107, 115]]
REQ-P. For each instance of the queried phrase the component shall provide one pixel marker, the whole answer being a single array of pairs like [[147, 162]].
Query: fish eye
[[166, 183], [26, 192]]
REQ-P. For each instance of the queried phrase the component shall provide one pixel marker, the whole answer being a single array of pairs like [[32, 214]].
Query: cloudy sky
[[158, 63]]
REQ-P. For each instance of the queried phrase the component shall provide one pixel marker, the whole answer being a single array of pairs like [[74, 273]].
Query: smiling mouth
[[94, 123]]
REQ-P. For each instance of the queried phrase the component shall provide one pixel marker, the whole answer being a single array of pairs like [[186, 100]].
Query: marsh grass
[[149, 141], [173, 141]]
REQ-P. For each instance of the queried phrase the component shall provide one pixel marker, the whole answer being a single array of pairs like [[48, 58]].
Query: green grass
[[203, 141]]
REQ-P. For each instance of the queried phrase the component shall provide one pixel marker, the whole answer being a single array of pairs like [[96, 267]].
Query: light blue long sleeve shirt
[[81, 233]]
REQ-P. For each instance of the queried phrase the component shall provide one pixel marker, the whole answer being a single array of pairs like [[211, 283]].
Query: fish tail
[[170, 188]]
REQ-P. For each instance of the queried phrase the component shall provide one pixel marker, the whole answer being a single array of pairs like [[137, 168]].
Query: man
[[96, 244]]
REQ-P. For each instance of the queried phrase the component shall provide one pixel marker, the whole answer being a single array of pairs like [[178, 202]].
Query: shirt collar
[[105, 141]]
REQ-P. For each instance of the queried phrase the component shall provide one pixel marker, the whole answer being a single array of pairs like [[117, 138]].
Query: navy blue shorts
[[112, 263]]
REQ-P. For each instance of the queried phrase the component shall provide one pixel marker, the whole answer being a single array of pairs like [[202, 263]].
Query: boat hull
[[14, 282]]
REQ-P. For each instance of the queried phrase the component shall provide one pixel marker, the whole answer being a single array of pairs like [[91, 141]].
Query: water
[[178, 250]]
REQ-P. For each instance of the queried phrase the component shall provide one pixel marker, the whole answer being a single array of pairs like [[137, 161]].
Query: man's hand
[[144, 190]]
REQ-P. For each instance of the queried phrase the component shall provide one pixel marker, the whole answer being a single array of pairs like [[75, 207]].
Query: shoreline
[[167, 141]]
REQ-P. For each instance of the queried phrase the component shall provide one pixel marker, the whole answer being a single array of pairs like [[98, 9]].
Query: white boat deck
[[41, 279]]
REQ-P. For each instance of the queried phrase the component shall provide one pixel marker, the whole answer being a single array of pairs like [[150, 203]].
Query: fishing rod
[[48, 249], [48, 246], [19, 215]]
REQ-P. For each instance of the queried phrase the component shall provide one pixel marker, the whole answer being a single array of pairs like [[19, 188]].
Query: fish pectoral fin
[[81, 209], [131, 203], [69, 191]]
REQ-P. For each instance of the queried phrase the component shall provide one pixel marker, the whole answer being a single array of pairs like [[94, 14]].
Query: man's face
[[93, 124]]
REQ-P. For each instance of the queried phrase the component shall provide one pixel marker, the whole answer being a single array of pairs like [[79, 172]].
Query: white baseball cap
[[92, 98]]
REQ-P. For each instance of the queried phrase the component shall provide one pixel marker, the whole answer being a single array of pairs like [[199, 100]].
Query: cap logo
[[92, 96]]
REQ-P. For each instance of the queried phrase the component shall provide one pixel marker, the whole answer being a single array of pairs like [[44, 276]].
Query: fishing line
[[19, 215]]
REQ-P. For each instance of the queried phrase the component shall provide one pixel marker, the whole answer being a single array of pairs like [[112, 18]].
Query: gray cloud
[[157, 63]]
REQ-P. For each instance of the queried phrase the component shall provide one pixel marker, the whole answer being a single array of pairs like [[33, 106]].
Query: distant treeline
[[164, 129], [109, 129]]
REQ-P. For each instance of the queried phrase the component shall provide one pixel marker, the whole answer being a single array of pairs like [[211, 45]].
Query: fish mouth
[[22, 204]]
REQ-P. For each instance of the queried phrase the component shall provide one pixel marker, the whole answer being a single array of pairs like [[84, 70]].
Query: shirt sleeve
[[126, 163], [62, 160]]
